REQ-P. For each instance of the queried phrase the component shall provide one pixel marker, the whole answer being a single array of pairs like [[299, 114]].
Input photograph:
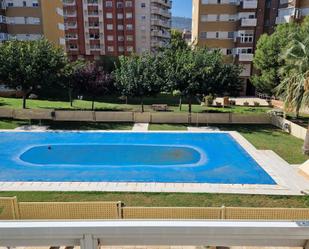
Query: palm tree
[[294, 87]]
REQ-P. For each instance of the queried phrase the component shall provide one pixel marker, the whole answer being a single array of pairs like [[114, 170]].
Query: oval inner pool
[[111, 155]]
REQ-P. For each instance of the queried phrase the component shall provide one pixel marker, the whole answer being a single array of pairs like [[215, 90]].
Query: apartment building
[[153, 24], [234, 26], [290, 10], [31, 20], [118, 27]]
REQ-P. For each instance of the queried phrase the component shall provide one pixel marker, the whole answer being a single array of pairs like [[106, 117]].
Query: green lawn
[[11, 124], [167, 199], [168, 127], [267, 137], [116, 106], [263, 137]]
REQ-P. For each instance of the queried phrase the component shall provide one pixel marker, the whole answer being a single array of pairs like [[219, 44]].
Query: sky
[[182, 8]]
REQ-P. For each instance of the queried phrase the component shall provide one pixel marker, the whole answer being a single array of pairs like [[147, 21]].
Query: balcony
[[70, 14], [249, 4], [161, 23], [283, 19], [69, 3], [159, 33], [246, 22], [245, 57], [160, 11], [166, 3]]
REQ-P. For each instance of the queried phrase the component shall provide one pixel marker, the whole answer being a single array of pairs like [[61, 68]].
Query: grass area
[[168, 127], [12, 124], [116, 106], [267, 137], [263, 137], [167, 199]]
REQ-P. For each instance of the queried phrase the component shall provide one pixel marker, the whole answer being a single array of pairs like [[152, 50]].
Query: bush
[[209, 100], [256, 103], [246, 103]]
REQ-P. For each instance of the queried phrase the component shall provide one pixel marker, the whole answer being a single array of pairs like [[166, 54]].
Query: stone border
[[289, 182]]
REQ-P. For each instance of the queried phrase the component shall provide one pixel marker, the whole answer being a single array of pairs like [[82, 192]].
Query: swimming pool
[[127, 157]]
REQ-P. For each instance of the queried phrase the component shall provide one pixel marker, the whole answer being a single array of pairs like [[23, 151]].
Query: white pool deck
[[289, 181]]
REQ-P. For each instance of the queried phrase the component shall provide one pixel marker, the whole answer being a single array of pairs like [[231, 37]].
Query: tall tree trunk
[[142, 103], [306, 143], [190, 104], [92, 107], [180, 103], [24, 100], [70, 97]]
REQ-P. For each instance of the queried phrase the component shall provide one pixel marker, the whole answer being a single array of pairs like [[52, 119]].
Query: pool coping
[[289, 182]]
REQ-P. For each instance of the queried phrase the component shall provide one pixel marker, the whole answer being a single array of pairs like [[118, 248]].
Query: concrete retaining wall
[[284, 124], [146, 117]]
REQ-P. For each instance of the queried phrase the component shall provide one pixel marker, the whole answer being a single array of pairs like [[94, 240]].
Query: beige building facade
[[32, 20], [234, 27]]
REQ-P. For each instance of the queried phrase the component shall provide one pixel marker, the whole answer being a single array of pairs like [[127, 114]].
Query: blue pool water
[[127, 157]]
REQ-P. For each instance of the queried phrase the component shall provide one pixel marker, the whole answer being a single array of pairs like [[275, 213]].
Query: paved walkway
[[31, 128], [140, 127], [203, 128]]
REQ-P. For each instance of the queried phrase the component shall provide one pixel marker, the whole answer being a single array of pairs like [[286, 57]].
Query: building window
[[203, 35], [129, 37], [120, 27], [119, 4], [129, 4], [129, 27], [129, 15], [120, 38], [129, 49], [35, 4], [110, 38], [109, 4], [230, 35], [109, 27], [109, 15], [119, 16], [110, 48], [121, 49]]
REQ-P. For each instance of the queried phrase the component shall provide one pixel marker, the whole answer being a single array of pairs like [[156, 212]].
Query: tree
[[200, 72], [177, 41], [93, 81], [267, 59], [71, 76], [29, 65], [294, 88], [139, 76]]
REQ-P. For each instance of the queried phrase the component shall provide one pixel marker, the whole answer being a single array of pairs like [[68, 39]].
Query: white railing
[[92, 234], [246, 22], [250, 4], [245, 57]]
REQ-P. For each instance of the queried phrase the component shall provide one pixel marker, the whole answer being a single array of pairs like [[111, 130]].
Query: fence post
[[15, 208], [120, 210], [223, 213]]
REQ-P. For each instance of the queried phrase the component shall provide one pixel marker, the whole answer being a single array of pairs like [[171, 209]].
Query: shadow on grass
[[256, 128], [87, 126]]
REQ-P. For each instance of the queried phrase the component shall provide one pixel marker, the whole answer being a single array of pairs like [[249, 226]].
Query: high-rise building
[[31, 20], [234, 27], [153, 24], [292, 10], [119, 27]]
